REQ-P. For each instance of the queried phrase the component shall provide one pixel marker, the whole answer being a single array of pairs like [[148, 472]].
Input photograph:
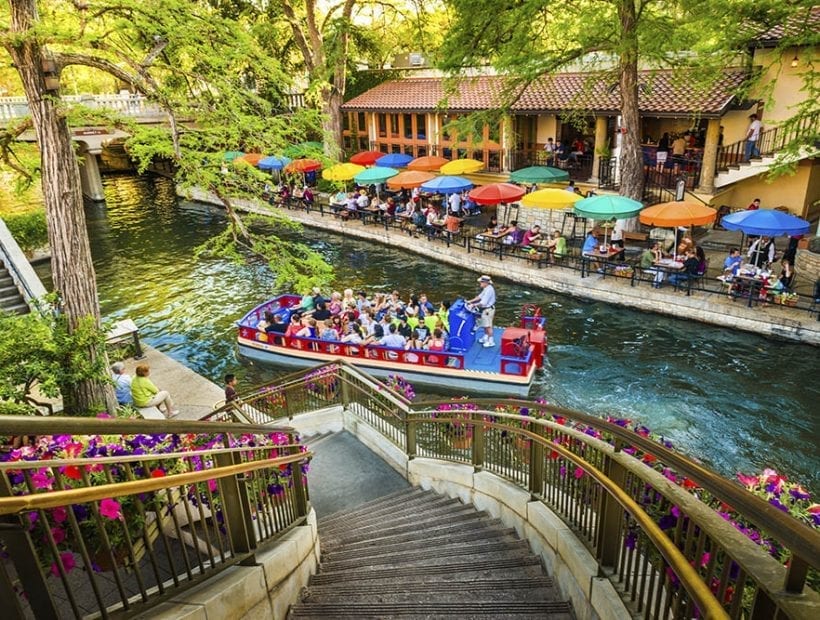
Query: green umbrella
[[377, 174], [607, 207], [539, 174], [305, 149], [231, 155]]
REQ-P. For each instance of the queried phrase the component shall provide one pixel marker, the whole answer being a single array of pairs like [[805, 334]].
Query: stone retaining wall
[[766, 320]]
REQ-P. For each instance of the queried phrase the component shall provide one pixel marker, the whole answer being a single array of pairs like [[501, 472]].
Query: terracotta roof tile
[[804, 22], [660, 94]]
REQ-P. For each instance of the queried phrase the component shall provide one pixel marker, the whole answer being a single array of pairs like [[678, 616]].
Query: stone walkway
[[766, 320]]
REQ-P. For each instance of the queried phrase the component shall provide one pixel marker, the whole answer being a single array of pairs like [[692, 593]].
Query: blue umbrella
[[273, 163], [394, 160], [768, 222], [446, 185]]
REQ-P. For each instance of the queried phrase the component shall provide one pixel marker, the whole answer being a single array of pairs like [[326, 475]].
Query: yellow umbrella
[[341, 172], [550, 199], [462, 166]]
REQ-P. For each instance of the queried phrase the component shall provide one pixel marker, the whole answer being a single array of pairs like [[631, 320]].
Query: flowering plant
[[112, 522], [323, 382], [400, 386]]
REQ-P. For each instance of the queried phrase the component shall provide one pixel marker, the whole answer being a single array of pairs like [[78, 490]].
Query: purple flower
[[630, 540], [776, 503], [799, 493], [667, 522]]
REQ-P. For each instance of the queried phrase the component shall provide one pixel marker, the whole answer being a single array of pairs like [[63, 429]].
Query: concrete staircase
[[416, 554], [10, 298]]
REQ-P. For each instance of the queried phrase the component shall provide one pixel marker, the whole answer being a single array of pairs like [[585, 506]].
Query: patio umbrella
[[430, 163], [366, 158], [252, 158], [550, 199], [769, 222], [462, 166], [539, 174], [273, 163], [304, 149], [303, 165], [377, 174], [446, 185], [342, 172], [394, 160], [231, 155], [409, 179], [677, 213], [496, 193], [607, 207]]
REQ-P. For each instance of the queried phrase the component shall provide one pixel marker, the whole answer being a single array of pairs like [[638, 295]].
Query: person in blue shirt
[[590, 243], [732, 262], [122, 383]]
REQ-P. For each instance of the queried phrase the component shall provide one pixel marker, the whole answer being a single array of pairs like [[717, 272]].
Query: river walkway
[[763, 319]]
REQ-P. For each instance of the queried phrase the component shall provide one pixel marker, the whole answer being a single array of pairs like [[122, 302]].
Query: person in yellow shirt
[[146, 394]]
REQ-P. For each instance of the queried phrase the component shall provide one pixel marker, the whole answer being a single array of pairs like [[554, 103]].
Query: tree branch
[[6, 139], [299, 36]]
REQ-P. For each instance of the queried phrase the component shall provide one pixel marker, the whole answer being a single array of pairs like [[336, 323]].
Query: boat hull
[[469, 381]]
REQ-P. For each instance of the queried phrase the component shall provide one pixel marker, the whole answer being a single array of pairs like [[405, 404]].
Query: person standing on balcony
[[549, 149], [752, 137]]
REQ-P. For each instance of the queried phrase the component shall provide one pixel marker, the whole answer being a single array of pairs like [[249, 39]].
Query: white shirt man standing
[[549, 149], [752, 137], [485, 301], [455, 203]]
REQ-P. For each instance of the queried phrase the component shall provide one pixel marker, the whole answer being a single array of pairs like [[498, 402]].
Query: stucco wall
[[795, 191], [781, 85]]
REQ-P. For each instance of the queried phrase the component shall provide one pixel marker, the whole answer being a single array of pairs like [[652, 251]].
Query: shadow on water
[[734, 400]]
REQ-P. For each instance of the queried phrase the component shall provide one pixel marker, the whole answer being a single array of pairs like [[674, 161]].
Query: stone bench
[[151, 413]]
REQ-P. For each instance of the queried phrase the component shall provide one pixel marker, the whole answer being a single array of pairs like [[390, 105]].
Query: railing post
[[537, 464], [235, 506], [24, 557], [345, 390], [299, 486], [796, 574], [410, 435], [478, 444], [611, 517]]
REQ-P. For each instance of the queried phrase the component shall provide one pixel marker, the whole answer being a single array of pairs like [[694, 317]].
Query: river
[[736, 401]]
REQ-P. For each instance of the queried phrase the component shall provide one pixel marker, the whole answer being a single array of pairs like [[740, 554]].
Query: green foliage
[[28, 229], [37, 349]]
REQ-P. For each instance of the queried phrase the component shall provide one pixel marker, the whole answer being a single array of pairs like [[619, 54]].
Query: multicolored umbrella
[[376, 174], [252, 158], [607, 207], [429, 163], [496, 193], [539, 174], [550, 199], [394, 160], [231, 155], [462, 166], [273, 163], [366, 158], [446, 185], [677, 213], [342, 172], [303, 165], [409, 179]]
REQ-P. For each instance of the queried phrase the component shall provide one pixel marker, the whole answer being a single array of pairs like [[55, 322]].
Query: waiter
[[485, 301]]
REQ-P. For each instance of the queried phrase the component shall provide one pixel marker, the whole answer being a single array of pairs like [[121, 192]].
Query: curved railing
[[105, 516], [649, 515]]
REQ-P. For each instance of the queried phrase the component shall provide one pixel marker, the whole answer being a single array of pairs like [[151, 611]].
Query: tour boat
[[507, 368]]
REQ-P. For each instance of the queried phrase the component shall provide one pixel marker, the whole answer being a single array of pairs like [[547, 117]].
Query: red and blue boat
[[466, 365]]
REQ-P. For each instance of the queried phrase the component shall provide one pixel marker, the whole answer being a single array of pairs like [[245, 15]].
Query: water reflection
[[734, 400]]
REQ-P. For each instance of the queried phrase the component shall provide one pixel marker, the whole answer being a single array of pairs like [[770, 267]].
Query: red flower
[[73, 472], [158, 473]]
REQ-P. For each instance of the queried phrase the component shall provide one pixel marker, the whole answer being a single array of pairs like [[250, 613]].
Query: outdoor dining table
[[747, 284], [670, 266], [598, 256], [496, 238]]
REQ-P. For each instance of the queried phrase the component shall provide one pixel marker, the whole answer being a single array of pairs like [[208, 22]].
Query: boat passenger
[[308, 329], [393, 339], [401, 325], [412, 317], [444, 314], [425, 307], [415, 341], [335, 306], [321, 312], [263, 325], [294, 326], [348, 298], [329, 332], [353, 335], [306, 304], [362, 301], [437, 341]]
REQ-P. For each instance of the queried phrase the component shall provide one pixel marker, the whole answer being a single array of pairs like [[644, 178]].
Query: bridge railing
[[111, 517], [673, 536], [126, 104]]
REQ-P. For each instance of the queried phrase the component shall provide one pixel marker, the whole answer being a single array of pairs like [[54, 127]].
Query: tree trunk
[[332, 121], [632, 175], [72, 269]]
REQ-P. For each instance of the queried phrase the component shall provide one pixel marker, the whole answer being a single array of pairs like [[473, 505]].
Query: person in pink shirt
[[531, 236]]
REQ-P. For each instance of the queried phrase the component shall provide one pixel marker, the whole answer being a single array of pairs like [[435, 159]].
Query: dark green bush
[[28, 229]]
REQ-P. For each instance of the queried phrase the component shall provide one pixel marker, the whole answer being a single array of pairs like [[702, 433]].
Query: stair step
[[528, 566], [405, 586], [456, 534], [408, 525], [18, 309], [501, 609], [416, 556], [394, 499], [9, 302], [408, 510]]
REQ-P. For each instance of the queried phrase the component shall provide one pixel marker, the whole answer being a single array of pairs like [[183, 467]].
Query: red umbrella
[[495, 193], [303, 165], [366, 158]]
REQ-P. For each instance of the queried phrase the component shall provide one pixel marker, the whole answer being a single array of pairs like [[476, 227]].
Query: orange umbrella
[[430, 163], [678, 213], [409, 179], [303, 165], [251, 158]]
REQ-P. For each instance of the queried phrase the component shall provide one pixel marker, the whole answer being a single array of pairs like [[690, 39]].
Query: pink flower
[[42, 480], [58, 534], [749, 482], [704, 559], [66, 560], [59, 514], [814, 509], [579, 473], [212, 486], [110, 509], [104, 415]]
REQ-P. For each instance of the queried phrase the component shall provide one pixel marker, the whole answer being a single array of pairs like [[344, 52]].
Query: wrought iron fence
[[104, 517]]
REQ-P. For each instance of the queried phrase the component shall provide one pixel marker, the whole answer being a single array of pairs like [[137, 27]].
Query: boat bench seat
[[151, 413]]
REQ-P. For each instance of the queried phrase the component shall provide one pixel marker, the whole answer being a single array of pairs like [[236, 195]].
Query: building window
[[362, 122], [394, 125], [421, 126], [407, 120], [382, 120]]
